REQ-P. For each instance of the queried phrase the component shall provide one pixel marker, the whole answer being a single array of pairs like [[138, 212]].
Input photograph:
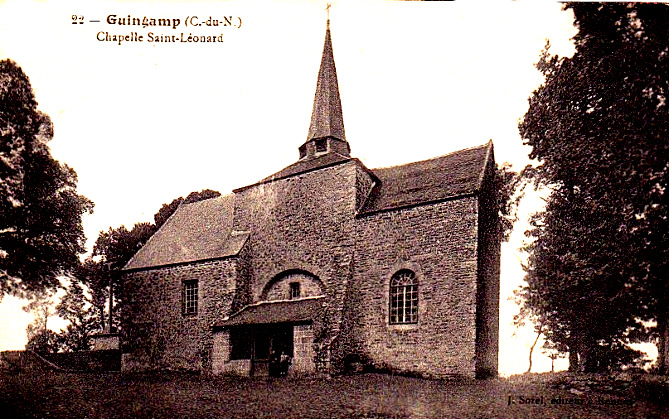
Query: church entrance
[[267, 339], [270, 347]]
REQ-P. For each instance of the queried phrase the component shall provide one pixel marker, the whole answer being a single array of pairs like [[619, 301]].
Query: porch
[[250, 342]]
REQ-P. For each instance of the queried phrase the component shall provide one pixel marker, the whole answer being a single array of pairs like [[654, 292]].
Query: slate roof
[[440, 178], [203, 230], [326, 115], [284, 311], [305, 165], [198, 231]]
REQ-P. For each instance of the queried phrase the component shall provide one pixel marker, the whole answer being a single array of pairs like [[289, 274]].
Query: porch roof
[[267, 312]]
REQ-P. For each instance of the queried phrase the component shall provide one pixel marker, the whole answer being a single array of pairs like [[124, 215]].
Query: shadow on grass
[[172, 395]]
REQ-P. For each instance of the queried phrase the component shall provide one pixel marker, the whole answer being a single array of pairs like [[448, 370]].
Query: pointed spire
[[326, 117]]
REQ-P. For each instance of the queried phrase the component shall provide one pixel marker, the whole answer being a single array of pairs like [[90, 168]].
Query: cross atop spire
[[327, 122]]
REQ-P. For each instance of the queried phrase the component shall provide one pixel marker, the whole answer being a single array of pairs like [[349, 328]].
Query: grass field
[[111, 395]]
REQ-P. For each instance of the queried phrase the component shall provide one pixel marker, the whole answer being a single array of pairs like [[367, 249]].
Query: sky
[[145, 122]]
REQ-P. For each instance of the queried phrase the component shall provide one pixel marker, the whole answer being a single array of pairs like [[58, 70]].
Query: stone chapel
[[336, 265]]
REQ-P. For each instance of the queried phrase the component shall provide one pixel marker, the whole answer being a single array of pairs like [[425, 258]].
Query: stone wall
[[221, 351], [98, 360], [303, 350], [221, 362], [239, 367], [158, 333], [304, 222], [106, 341], [307, 223], [300, 222], [303, 353], [16, 361], [439, 243], [487, 316]]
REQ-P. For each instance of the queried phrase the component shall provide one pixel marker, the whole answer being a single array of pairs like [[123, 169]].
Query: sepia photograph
[[318, 209]]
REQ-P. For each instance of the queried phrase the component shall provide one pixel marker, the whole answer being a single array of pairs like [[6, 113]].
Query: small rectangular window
[[294, 290], [190, 297], [303, 151], [321, 145]]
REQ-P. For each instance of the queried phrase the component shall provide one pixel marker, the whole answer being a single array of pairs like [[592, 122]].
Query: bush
[[653, 388], [44, 342]]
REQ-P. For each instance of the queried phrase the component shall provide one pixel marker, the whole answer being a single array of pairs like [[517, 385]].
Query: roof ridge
[[450, 176], [436, 157], [485, 163], [274, 177], [230, 195]]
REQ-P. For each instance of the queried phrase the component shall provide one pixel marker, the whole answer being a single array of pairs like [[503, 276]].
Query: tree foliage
[[44, 342], [42, 307], [598, 129], [95, 277], [117, 245], [41, 234], [576, 288], [112, 250], [74, 307], [40, 338], [508, 196]]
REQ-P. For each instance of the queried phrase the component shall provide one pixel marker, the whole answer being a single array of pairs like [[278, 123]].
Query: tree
[[95, 276], [44, 342], [117, 246], [41, 234], [597, 128], [575, 292], [536, 339], [42, 307], [112, 250], [508, 190], [75, 308], [40, 338], [552, 352]]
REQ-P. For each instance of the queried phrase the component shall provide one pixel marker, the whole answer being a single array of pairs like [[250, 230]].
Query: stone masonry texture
[[438, 243], [307, 227], [158, 333]]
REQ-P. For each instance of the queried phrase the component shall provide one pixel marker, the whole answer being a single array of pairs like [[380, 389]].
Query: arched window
[[403, 297], [291, 285]]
